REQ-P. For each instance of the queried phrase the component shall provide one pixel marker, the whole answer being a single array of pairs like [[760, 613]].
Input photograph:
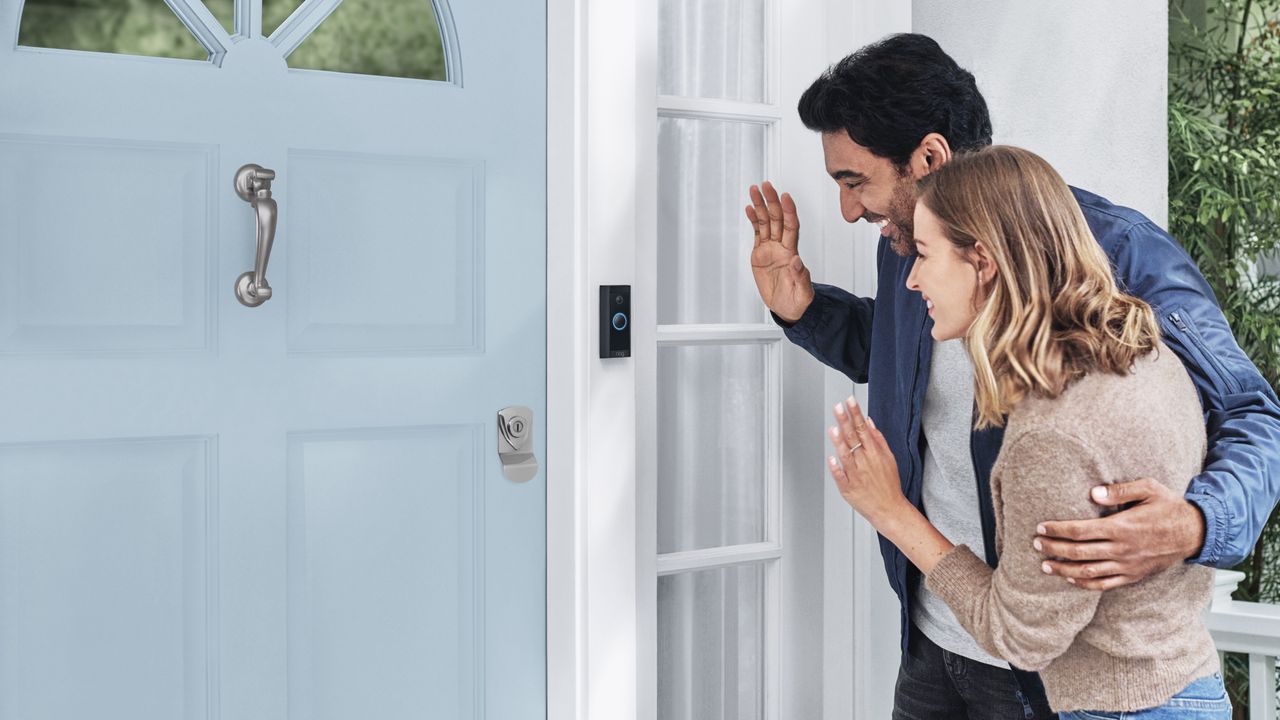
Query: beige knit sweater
[[1127, 648]]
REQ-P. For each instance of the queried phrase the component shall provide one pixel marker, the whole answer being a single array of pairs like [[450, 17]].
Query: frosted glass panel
[[712, 442], [704, 238], [712, 49], [710, 644]]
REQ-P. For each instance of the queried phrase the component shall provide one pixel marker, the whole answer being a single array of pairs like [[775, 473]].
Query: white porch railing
[[1251, 628]]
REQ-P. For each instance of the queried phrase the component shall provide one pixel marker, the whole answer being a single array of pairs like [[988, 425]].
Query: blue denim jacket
[[886, 342]]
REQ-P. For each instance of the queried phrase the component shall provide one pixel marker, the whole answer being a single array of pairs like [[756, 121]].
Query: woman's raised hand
[[864, 468]]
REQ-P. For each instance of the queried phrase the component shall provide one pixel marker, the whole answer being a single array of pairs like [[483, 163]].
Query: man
[[890, 114]]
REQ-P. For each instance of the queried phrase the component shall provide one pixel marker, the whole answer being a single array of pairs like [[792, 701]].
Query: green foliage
[[131, 27], [1224, 203], [275, 12], [1224, 176], [376, 37]]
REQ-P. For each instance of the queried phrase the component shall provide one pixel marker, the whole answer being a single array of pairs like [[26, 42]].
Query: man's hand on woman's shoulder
[[1155, 528]]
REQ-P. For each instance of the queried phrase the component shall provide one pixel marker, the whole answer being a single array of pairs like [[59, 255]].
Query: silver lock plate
[[515, 443]]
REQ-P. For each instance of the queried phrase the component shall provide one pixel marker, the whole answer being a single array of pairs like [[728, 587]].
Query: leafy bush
[[1224, 202]]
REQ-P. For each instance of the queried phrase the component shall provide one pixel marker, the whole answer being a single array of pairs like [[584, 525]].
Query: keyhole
[[516, 427]]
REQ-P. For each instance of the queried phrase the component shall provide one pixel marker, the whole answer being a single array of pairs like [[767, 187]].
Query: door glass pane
[[224, 11], [712, 49], [711, 644], [704, 238], [712, 439], [275, 12], [395, 38], [128, 27]]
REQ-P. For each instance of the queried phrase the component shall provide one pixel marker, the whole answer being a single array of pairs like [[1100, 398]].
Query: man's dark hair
[[890, 94]]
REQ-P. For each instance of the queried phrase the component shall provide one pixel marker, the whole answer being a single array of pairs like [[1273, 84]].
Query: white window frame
[[601, 227], [766, 554]]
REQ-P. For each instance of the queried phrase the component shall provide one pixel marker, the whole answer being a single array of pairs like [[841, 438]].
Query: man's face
[[871, 189]]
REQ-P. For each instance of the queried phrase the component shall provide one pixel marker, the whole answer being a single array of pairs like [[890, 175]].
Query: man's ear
[[932, 153]]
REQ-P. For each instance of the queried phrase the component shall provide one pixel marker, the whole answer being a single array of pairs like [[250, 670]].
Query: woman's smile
[[945, 276]]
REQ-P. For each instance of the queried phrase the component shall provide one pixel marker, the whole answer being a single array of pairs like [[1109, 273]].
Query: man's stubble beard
[[902, 210], [900, 241]]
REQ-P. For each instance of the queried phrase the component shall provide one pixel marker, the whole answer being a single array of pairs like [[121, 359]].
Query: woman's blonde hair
[[1053, 311]]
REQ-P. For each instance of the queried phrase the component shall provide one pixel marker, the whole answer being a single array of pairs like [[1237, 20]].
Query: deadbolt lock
[[515, 443], [516, 428]]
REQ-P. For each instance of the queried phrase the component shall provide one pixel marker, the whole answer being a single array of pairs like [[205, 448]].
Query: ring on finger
[[854, 449]]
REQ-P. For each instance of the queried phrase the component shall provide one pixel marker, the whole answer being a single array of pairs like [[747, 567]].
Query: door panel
[[113, 529], [383, 617], [136, 278], [295, 510], [403, 237]]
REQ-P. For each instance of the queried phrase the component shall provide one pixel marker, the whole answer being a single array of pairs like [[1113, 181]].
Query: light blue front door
[[295, 510]]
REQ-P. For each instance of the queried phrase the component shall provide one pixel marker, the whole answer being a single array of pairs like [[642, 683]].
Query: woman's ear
[[984, 264]]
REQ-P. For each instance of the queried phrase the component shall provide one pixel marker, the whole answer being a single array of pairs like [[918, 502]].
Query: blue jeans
[[1203, 699]]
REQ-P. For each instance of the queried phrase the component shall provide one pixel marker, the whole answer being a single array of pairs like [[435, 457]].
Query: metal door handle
[[253, 185]]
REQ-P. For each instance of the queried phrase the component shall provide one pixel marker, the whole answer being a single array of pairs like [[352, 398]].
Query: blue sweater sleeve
[[835, 329], [1240, 481]]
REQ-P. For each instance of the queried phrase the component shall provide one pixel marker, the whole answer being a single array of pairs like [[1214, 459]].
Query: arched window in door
[[392, 38]]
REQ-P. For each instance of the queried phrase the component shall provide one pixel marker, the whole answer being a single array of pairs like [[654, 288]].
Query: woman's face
[[947, 281]]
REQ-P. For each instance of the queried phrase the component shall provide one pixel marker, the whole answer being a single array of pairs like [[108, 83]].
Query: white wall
[[1083, 83]]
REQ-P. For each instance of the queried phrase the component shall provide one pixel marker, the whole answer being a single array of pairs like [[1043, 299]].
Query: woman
[[1006, 262]]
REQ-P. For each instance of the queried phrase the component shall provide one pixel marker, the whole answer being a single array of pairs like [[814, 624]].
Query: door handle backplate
[[515, 443]]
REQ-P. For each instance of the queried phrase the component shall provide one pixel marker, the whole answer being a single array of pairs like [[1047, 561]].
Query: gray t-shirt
[[950, 490]]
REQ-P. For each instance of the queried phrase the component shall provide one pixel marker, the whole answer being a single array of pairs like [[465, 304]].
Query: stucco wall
[[1082, 83]]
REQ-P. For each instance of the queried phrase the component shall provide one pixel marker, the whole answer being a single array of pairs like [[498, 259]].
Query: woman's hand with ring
[[864, 468]]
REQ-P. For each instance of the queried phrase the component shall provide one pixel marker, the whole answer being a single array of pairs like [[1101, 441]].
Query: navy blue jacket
[[886, 342]]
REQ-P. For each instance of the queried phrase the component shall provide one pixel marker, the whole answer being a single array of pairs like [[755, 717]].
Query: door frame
[[601, 138], [592, 234]]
